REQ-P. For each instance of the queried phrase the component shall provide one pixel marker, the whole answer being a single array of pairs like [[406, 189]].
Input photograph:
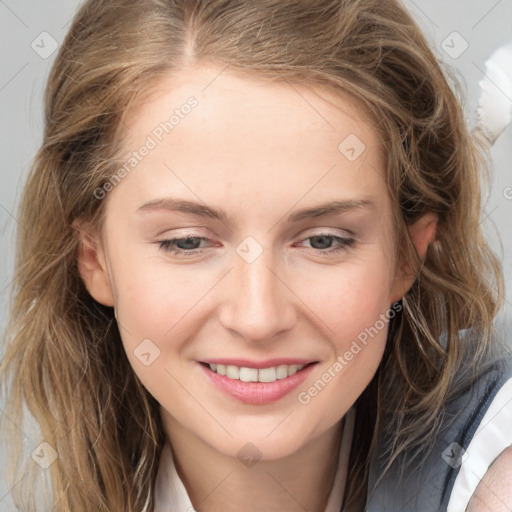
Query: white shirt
[[171, 495]]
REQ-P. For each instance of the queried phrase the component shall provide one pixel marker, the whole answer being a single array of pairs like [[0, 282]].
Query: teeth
[[254, 374], [248, 374], [232, 372], [282, 371], [266, 374]]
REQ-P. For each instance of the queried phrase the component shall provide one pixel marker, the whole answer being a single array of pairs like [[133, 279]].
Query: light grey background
[[29, 29]]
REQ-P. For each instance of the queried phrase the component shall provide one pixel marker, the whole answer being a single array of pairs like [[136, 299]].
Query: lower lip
[[257, 393]]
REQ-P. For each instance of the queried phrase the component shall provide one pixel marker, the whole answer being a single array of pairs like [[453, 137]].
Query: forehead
[[232, 99], [249, 135]]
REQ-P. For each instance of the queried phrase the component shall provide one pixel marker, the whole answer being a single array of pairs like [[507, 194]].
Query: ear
[[422, 232], [92, 267]]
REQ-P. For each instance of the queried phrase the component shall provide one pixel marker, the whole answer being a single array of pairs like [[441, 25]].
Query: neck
[[216, 482]]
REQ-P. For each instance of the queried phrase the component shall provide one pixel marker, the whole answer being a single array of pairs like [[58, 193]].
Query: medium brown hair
[[64, 357]]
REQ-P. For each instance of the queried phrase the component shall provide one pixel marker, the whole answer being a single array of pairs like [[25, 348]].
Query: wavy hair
[[63, 353]]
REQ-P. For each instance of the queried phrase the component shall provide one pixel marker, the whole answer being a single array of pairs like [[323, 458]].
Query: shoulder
[[494, 492]]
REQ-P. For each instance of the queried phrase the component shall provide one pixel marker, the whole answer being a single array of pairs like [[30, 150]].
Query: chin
[[259, 446]]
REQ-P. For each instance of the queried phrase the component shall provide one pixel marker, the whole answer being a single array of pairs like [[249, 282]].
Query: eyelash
[[167, 245]]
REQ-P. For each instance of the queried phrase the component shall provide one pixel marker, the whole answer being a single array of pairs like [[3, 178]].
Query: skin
[[494, 492], [260, 151]]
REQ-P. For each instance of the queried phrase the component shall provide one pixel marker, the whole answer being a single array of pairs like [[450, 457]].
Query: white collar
[[170, 493]]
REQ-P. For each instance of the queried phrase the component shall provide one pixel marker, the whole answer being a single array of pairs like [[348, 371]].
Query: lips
[[245, 370], [257, 382]]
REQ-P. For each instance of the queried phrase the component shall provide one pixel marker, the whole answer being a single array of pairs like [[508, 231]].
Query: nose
[[258, 303]]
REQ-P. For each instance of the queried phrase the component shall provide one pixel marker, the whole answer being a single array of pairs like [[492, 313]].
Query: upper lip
[[267, 363]]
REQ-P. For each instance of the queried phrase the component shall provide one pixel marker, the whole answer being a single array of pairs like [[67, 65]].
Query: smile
[[260, 383], [256, 374]]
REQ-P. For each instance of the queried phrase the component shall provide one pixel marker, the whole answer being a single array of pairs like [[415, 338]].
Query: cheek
[[154, 313], [353, 303], [349, 297], [360, 326], [154, 299]]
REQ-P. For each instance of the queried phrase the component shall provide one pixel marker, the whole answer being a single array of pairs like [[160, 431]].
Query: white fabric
[[495, 107], [492, 437], [170, 493]]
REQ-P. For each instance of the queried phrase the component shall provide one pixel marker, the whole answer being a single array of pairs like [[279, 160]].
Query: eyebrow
[[320, 210]]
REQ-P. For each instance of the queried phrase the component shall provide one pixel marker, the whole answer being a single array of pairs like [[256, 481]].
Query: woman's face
[[283, 254]]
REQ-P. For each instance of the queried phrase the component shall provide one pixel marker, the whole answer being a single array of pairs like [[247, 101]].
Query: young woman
[[251, 274]]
